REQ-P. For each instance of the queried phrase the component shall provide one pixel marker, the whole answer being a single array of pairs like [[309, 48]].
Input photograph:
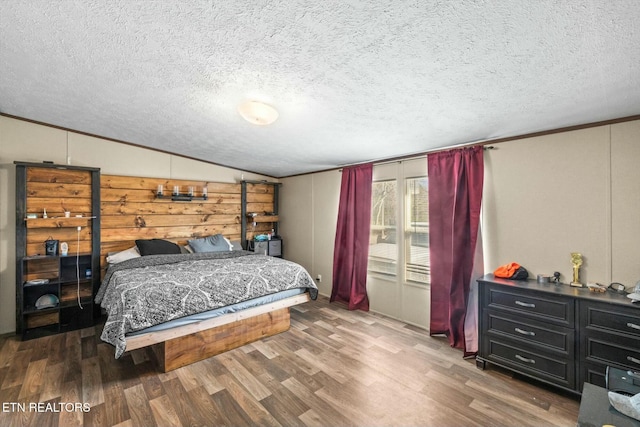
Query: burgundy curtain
[[455, 195], [352, 238]]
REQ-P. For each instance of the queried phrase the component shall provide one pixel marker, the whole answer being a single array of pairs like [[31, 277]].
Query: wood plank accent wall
[[57, 191], [131, 211]]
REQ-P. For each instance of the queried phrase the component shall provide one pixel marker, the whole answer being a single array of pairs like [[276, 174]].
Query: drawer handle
[[633, 325], [633, 359], [523, 332], [525, 304], [635, 375], [525, 359]]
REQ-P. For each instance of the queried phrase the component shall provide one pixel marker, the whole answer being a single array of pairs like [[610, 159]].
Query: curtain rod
[[413, 156]]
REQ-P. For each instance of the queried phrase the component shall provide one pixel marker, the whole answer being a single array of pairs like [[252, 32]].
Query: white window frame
[[400, 173]]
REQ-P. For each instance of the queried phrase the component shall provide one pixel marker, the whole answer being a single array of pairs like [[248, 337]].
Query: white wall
[[309, 213], [578, 191], [625, 202], [24, 141]]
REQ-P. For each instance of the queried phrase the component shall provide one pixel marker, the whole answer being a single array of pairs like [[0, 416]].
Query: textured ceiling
[[353, 80]]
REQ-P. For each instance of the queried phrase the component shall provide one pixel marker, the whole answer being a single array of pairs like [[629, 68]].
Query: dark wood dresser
[[557, 334]]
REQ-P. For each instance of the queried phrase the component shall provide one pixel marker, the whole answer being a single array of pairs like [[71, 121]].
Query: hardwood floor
[[332, 368]]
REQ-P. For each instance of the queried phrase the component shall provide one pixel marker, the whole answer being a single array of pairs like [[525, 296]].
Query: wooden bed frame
[[181, 346]]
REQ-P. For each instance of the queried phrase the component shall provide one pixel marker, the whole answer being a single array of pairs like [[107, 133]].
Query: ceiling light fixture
[[258, 113]]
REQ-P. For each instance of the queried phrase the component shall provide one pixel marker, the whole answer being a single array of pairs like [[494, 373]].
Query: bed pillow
[[215, 243], [123, 255], [157, 247], [237, 246]]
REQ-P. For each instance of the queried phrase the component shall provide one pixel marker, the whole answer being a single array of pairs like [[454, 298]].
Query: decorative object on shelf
[[64, 248], [51, 246], [176, 196], [37, 282], [596, 287], [32, 216], [44, 214], [47, 301], [576, 260], [543, 278], [253, 216]]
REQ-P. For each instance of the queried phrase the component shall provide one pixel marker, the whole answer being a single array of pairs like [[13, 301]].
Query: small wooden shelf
[[52, 281], [182, 197], [53, 257], [59, 222], [46, 317], [32, 309], [67, 289], [263, 218]]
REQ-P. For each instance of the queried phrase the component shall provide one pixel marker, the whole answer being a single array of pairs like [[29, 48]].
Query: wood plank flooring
[[333, 367]]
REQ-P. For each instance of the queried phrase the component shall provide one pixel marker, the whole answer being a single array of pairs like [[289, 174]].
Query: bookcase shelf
[[259, 215], [67, 282]]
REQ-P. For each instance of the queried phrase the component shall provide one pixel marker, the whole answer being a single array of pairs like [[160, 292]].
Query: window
[[383, 252], [416, 230], [394, 210]]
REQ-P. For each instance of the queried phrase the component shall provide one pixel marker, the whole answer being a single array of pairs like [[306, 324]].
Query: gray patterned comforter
[[146, 291]]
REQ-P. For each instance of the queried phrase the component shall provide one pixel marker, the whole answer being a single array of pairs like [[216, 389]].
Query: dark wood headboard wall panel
[[131, 211]]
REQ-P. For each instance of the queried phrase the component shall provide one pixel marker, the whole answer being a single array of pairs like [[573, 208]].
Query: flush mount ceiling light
[[258, 113]]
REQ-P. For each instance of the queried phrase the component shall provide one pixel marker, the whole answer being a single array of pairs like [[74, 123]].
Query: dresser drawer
[[545, 336], [593, 373], [611, 318], [556, 309], [600, 348], [560, 371]]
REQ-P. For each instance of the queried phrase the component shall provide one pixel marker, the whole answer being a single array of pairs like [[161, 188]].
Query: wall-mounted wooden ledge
[[60, 222]]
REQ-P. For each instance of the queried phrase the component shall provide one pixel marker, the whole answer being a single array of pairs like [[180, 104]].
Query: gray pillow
[[215, 243]]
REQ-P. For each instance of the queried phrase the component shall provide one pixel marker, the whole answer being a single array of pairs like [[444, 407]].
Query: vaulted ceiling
[[352, 80]]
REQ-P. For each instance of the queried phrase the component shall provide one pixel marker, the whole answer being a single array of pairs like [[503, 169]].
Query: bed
[[189, 307]]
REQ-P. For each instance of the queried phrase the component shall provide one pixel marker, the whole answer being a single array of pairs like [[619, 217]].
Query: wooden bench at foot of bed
[[188, 344]]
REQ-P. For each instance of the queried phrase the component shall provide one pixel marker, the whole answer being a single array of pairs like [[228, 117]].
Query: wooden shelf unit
[[73, 278], [260, 198]]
